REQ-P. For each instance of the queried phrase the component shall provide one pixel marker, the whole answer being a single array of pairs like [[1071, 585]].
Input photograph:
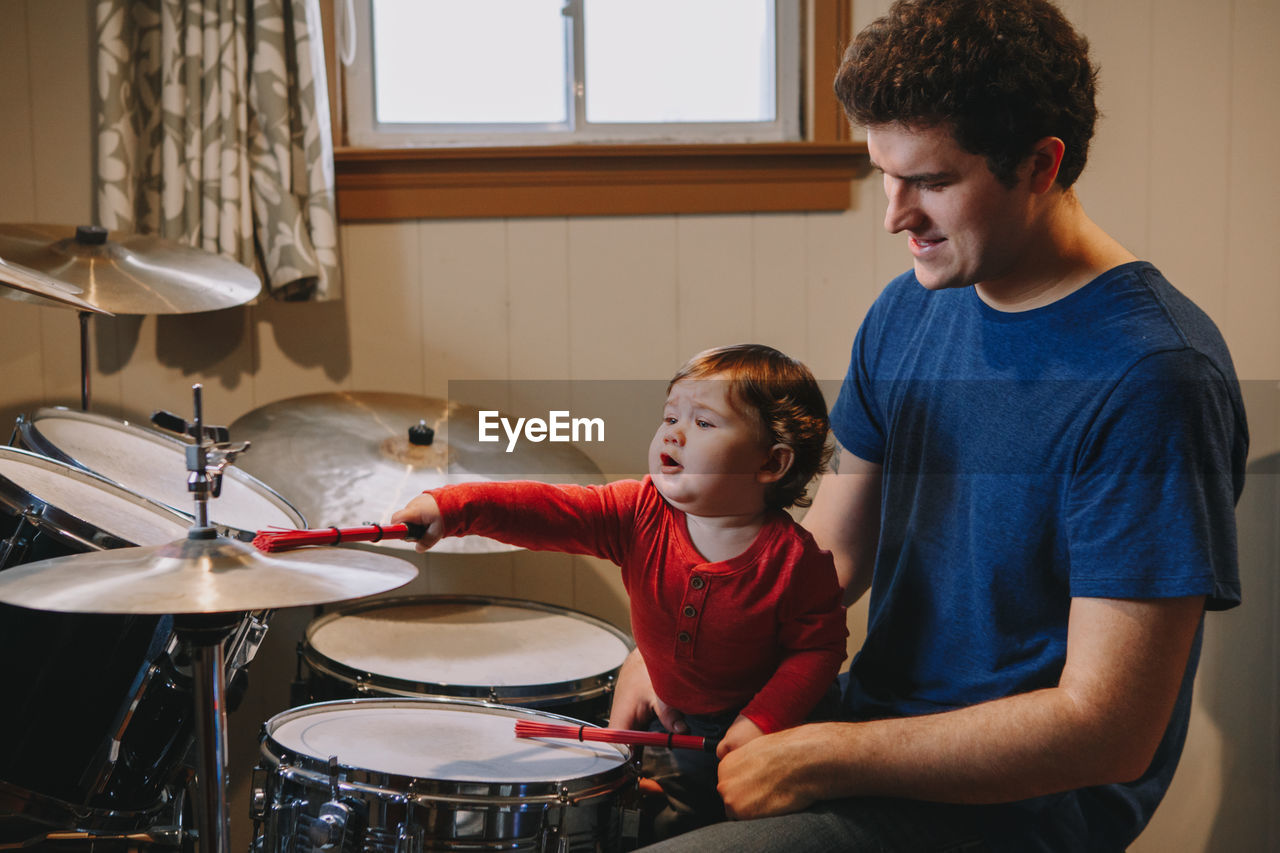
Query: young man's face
[[963, 226], [707, 451]]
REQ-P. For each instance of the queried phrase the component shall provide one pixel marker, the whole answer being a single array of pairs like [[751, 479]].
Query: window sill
[[594, 180]]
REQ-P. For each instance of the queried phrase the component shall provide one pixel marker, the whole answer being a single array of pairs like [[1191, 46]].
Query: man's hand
[[635, 703], [740, 732], [422, 510], [766, 775]]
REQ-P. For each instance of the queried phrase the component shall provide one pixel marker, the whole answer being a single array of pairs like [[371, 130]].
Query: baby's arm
[[594, 520], [812, 633], [741, 731], [425, 511]]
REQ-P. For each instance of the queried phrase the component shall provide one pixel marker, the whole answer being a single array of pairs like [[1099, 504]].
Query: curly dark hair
[[1001, 73], [790, 404]]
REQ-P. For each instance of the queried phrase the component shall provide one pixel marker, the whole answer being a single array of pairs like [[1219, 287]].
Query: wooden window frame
[[377, 184]]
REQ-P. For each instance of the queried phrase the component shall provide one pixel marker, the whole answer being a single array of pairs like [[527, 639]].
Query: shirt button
[[690, 611], [697, 582], [683, 636]]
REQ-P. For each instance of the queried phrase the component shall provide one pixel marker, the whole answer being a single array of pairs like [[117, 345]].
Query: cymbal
[[130, 273], [345, 458], [200, 576], [34, 286]]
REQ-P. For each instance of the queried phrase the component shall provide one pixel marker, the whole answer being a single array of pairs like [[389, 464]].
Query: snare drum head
[[451, 643], [153, 465], [440, 740], [66, 494]]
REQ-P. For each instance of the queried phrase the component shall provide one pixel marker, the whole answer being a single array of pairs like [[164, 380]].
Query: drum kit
[[132, 604]]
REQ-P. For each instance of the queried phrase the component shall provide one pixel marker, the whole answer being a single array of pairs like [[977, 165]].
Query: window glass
[[680, 61], [531, 72], [451, 62]]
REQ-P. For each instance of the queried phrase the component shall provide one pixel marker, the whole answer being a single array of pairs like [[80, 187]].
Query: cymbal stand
[[84, 360], [203, 634]]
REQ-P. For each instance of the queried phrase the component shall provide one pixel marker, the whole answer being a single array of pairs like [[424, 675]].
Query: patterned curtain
[[214, 131]]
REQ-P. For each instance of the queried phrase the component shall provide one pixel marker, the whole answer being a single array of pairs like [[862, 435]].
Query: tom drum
[[500, 650]]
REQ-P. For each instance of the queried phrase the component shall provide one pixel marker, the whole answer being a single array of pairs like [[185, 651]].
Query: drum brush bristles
[[283, 540], [530, 728]]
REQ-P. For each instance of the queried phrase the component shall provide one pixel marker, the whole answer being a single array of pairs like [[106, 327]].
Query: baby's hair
[[788, 400]]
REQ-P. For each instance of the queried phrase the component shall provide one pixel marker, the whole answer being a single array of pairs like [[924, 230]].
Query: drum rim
[[31, 436], [555, 692], [62, 523], [366, 781]]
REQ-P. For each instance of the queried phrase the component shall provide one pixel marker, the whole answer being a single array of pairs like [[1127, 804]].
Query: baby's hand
[[739, 733], [422, 510]]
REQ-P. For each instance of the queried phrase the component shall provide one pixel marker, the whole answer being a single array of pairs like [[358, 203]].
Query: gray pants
[[870, 824]]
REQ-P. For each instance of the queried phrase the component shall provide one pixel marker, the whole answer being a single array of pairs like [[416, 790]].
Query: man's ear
[[781, 457], [1046, 160]]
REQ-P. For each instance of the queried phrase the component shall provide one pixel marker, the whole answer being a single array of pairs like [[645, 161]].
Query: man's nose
[[901, 213]]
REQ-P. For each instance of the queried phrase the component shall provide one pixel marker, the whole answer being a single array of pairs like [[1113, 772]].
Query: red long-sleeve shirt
[[763, 632]]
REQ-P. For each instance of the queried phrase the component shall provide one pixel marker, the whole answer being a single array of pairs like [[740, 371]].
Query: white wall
[[1181, 172]]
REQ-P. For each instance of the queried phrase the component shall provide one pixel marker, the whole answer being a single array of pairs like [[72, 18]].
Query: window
[[439, 72], [415, 180]]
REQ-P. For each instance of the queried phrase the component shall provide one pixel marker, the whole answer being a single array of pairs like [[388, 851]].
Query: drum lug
[[18, 542], [557, 834], [17, 430], [339, 826], [258, 794], [408, 836], [283, 819]]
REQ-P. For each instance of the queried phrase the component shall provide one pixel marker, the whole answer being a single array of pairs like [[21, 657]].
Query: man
[[1041, 446]]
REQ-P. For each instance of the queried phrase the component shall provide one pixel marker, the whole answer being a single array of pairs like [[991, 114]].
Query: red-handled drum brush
[[531, 728], [283, 540]]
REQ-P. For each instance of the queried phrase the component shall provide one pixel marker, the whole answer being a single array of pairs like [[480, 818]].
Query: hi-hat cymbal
[[130, 273], [200, 576], [345, 458], [34, 286]]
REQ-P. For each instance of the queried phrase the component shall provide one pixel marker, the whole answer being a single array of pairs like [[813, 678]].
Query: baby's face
[[709, 450]]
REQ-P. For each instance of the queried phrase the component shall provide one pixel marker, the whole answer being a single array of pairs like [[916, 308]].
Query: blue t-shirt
[[1093, 447]]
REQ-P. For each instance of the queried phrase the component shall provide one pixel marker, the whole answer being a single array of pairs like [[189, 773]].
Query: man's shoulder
[[1155, 317]]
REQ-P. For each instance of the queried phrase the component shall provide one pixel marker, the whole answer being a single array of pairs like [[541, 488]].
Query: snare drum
[[154, 465], [497, 649], [95, 711], [432, 774]]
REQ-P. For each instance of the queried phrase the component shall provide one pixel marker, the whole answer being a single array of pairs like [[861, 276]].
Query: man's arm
[[845, 520], [1100, 724]]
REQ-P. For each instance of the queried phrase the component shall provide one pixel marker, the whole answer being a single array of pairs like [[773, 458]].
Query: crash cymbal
[[130, 273], [346, 458], [187, 576], [33, 286]]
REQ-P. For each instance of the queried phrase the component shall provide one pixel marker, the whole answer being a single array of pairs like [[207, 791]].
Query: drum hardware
[[346, 457], [32, 821], [130, 274], [14, 548], [410, 835], [205, 581]]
